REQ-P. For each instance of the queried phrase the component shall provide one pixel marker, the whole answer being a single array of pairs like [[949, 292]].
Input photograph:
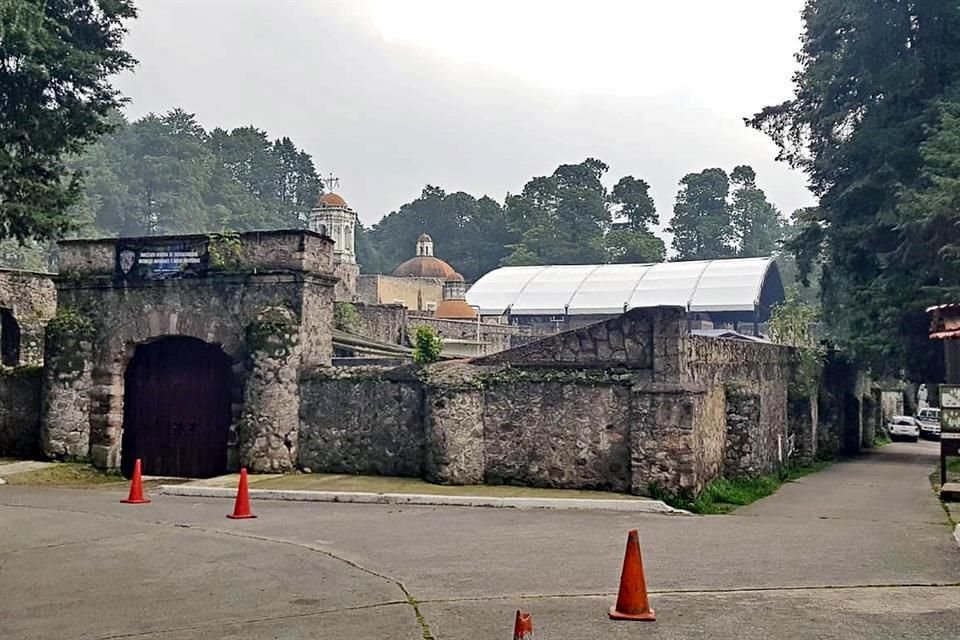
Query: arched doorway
[[9, 339], [176, 409]]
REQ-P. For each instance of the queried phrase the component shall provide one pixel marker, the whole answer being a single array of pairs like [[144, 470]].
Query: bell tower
[[332, 217]]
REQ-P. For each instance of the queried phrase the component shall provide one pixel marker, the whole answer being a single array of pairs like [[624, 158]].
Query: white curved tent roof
[[733, 284]]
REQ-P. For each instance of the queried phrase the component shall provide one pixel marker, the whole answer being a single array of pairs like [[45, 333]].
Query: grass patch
[[724, 495], [795, 473], [881, 440], [66, 474], [953, 473]]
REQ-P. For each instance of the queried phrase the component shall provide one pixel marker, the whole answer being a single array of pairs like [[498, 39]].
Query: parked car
[[904, 428], [929, 420]]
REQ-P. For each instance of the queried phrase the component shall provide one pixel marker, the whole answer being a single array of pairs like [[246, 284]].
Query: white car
[[929, 419], [904, 427]]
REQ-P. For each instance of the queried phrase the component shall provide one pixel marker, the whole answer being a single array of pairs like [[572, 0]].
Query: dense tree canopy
[[568, 217], [55, 59], [872, 124], [166, 174]]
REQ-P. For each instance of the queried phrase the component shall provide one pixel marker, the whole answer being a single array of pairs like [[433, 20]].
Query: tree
[[869, 99], [561, 218], [637, 210], [756, 224], [55, 61], [630, 238], [626, 246], [701, 217]]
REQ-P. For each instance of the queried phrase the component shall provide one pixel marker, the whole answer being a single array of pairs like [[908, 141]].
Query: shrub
[[345, 316], [426, 345]]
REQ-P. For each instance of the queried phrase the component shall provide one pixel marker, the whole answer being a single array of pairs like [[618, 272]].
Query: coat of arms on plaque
[[126, 260]]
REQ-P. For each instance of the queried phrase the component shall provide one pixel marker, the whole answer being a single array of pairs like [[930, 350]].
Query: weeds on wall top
[[790, 324], [224, 249], [345, 317]]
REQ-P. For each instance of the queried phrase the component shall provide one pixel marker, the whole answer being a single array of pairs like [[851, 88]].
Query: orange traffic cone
[[136, 487], [241, 508], [523, 627], [632, 602]]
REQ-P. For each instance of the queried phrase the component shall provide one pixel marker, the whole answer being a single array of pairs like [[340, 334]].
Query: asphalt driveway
[[860, 550]]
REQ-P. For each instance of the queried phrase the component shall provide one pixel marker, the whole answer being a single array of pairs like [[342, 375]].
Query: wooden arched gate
[[176, 411]]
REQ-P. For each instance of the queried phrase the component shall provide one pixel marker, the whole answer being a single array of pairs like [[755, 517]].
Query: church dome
[[425, 267], [424, 238], [455, 310], [331, 200]]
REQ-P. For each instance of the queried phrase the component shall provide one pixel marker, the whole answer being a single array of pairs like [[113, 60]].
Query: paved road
[[861, 550]]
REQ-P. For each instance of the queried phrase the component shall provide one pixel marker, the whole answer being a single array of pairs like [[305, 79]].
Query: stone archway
[[176, 409]]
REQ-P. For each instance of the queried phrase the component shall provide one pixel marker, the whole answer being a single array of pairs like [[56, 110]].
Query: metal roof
[[733, 284]]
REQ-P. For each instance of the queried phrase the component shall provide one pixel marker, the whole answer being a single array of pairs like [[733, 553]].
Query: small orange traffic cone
[[523, 627], [632, 602], [241, 508], [136, 487]]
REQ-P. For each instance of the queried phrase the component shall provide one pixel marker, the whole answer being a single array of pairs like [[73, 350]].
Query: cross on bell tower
[[331, 182]]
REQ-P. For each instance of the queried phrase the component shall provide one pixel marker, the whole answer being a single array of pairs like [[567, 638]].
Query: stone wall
[[626, 341], [756, 377], [558, 435], [31, 299], [358, 420], [496, 337], [20, 412], [630, 404], [346, 288], [891, 404], [382, 323]]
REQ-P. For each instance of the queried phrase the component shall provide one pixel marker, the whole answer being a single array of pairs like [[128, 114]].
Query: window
[[9, 339]]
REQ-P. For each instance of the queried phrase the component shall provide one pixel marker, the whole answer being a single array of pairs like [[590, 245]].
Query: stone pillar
[[454, 451], [667, 359], [67, 382], [663, 448], [268, 433]]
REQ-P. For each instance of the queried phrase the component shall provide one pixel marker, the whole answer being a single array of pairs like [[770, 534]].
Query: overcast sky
[[480, 96]]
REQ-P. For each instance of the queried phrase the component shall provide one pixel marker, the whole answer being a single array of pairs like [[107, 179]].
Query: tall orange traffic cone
[[136, 487], [632, 602], [241, 508], [523, 627]]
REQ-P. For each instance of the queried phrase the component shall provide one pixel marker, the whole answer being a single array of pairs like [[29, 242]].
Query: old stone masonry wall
[[266, 303], [30, 299], [631, 404]]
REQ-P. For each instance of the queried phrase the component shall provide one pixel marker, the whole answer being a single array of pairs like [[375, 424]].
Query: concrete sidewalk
[[390, 490]]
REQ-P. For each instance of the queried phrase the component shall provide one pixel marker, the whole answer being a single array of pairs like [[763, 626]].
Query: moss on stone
[[23, 371], [69, 323], [274, 332]]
